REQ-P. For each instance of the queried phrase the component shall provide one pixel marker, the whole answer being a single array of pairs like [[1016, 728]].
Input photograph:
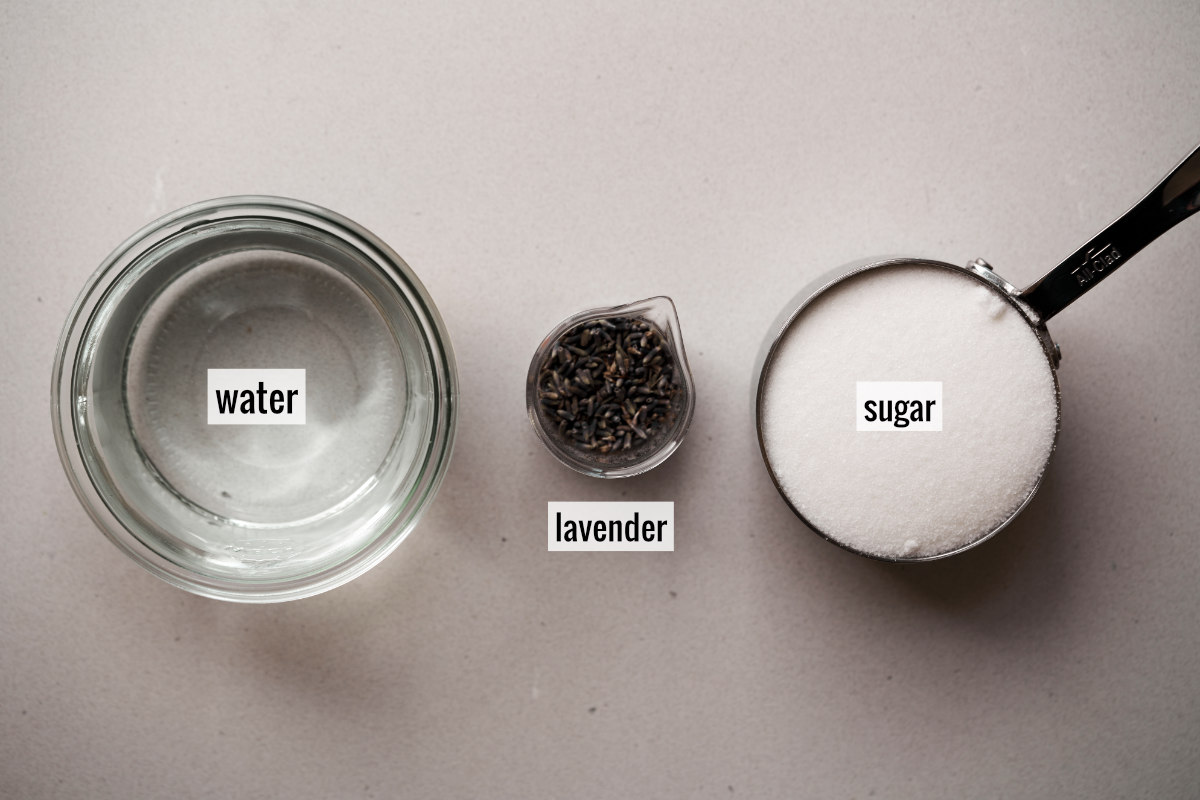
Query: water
[[265, 310]]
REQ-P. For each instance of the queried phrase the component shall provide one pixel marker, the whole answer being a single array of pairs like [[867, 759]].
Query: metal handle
[[1175, 199]]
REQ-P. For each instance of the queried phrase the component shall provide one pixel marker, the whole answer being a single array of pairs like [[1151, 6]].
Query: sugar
[[920, 493]]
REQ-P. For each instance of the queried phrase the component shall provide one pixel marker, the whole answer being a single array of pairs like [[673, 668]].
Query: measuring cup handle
[[1175, 199]]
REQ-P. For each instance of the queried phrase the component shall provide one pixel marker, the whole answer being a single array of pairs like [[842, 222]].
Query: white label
[[256, 397], [898, 405], [610, 526]]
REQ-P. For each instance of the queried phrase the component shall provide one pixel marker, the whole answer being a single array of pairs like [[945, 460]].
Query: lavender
[[608, 385]]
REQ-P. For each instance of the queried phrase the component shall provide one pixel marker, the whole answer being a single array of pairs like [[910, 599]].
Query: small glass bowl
[[660, 312], [254, 513]]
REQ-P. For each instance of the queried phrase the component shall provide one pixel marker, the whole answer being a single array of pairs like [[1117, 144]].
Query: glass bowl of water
[[254, 491]]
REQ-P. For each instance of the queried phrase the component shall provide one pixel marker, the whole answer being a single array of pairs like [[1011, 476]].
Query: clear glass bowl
[[660, 312], [254, 513]]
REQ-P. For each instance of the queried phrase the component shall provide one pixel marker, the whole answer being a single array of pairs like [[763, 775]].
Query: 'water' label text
[[256, 397]]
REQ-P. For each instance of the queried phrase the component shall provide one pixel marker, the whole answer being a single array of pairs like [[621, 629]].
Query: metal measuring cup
[[1173, 200]]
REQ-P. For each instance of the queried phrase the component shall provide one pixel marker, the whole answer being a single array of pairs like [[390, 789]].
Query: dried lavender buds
[[608, 386]]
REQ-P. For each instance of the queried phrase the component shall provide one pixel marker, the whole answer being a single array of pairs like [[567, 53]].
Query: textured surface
[[532, 162]]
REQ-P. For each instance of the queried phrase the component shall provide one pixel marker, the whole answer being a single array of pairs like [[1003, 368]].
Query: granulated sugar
[[909, 493]]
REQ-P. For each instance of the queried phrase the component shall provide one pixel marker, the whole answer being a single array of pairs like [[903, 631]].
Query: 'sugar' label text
[[898, 405]]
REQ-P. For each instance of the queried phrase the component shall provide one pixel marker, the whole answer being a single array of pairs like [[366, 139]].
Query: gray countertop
[[530, 161]]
